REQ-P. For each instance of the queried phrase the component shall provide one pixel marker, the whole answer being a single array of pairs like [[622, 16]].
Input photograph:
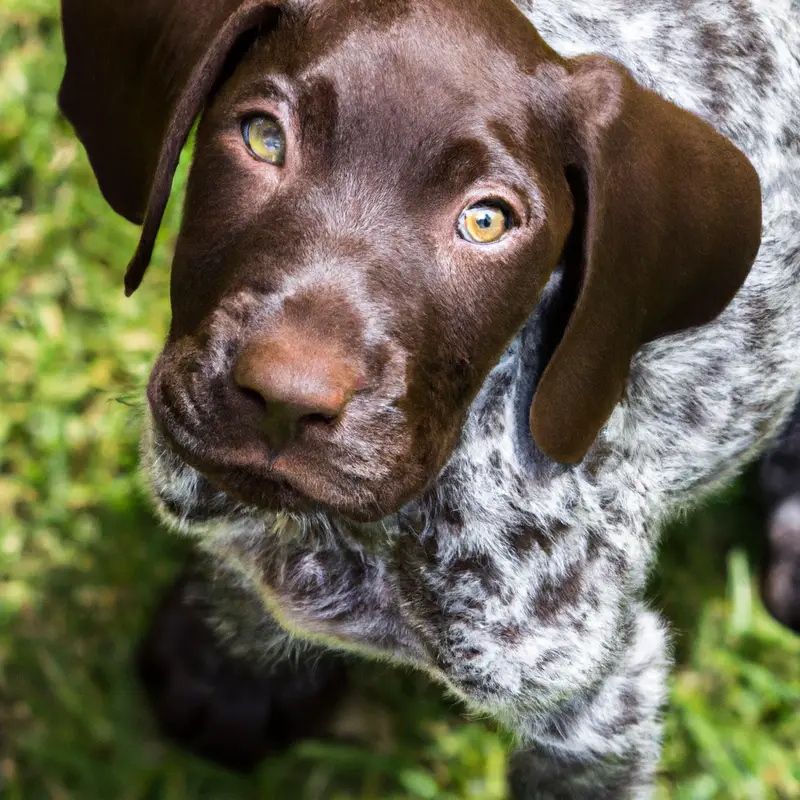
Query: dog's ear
[[137, 75], [668, 216]]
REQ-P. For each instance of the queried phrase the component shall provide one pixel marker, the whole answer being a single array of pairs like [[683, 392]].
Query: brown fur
[[353, 242]]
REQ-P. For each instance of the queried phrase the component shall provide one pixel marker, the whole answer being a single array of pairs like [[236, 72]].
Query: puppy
[[460, 316]]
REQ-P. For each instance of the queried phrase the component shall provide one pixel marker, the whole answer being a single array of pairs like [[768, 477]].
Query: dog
[[467, 300]]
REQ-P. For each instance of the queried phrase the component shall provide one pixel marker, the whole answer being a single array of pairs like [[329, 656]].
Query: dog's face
[[337, 306], [379, 193]]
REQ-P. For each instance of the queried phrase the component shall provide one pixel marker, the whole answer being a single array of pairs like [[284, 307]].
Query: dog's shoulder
[[734, 63]]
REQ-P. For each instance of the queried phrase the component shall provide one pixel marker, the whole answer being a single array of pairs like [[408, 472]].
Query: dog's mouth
[[187, 501], [204, 455], [195, 498]]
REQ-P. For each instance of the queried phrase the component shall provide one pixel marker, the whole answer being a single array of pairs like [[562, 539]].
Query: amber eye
[[265, 139], [485, 222]]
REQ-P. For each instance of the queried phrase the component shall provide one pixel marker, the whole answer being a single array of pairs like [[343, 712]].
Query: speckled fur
[[516, 582]]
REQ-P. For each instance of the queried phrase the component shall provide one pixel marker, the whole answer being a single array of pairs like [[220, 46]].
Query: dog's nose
[[298, 381]]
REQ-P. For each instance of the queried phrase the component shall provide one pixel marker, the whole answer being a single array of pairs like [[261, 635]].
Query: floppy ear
[[671, 227], [138, 73]]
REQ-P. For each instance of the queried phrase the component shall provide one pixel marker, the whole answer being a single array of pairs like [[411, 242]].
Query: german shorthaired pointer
[[460, 316]]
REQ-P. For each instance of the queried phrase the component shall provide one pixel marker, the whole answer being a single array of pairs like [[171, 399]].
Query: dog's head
[[380, 191]]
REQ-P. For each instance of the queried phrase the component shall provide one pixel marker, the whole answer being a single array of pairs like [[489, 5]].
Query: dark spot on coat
[[595, 545], [765, 69], [752, 42], [231, 349], [692, 412], [524, 538], [790, 140], [711, 38], [510, 633], [554, 597], [479, 565], [450, 513], [627, 713], [550, 657]]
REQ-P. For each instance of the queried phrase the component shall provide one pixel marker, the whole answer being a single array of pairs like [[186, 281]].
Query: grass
[[82, 560]]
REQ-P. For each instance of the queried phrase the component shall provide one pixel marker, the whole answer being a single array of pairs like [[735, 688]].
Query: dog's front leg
[[224, 680], [605, 741], [601, 739], [552, 641]]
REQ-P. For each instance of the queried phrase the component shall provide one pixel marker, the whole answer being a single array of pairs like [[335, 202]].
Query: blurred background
[[82, 560]]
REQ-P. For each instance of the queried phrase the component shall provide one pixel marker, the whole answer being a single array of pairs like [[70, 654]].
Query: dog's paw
[[781, 583], [219, 707]]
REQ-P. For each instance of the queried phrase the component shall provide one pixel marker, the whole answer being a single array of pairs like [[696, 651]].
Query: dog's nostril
[[282, 421], [253, 395]]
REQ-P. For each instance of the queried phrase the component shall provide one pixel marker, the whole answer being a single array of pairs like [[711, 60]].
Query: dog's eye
[[265, 139], [484, 223]]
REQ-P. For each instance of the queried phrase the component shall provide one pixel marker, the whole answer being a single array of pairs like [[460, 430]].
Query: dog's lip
[[272, 488], [278, 495]]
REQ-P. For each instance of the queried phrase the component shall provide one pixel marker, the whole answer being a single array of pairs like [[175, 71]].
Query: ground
[[82, 560]]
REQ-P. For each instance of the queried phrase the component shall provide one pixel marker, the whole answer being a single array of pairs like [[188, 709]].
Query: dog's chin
[[287, 496], [196, 499]]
